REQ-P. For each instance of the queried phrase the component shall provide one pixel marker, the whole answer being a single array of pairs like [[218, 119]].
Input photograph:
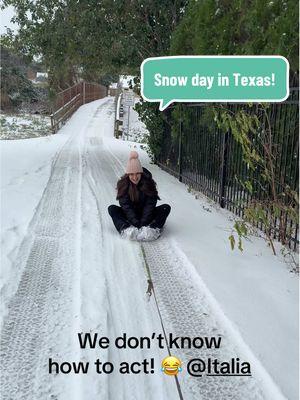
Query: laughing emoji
[[171, 365]]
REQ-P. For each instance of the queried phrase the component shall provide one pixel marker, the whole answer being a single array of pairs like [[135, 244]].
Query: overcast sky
[[5, 17]]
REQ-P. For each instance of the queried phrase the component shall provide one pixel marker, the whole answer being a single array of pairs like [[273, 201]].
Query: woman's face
[[135, 178]]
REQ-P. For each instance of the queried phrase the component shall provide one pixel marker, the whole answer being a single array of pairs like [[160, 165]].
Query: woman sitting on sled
[[138, 218]]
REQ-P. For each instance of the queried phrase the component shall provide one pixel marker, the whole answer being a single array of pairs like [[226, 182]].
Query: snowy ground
[[65, 270], [23, 126], [137, 129]]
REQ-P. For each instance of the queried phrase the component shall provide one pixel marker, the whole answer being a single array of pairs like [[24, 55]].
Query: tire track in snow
[[188, 310], [126, 306], [42, 312]]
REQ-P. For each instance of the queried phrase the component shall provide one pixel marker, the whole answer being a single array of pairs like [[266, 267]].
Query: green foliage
[[232, 241], [222, 27], [241, 124], [108, 79], [15, 87], [241, 229], [93, 38], [186, 115], [275, 203]]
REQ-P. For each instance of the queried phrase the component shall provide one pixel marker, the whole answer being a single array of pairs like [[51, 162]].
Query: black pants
[[119, 218]]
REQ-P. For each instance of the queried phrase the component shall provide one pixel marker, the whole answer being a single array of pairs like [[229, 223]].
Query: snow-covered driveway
[[77, 275]]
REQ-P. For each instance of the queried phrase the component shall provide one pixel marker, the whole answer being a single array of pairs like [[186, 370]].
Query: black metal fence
[[196, 151]]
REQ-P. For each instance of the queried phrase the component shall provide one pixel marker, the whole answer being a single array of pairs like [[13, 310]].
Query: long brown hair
[[146, 185]]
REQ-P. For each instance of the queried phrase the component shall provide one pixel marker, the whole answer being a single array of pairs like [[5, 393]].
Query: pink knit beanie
[[133, 165]]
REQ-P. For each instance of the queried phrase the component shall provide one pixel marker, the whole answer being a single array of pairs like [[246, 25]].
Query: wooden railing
[[69, 100]]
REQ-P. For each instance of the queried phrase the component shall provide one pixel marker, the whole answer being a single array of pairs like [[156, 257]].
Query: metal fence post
[[52, 123], [223, 172], [180, 146], [83, 94]]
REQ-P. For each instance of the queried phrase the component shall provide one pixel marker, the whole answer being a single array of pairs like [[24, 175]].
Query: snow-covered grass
[[23, 126]]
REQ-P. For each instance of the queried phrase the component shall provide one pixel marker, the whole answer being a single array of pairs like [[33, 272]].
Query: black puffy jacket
[[140, 213]]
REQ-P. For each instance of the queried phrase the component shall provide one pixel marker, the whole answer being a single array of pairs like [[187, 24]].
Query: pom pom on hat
[[133, 154], [134, 165]]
